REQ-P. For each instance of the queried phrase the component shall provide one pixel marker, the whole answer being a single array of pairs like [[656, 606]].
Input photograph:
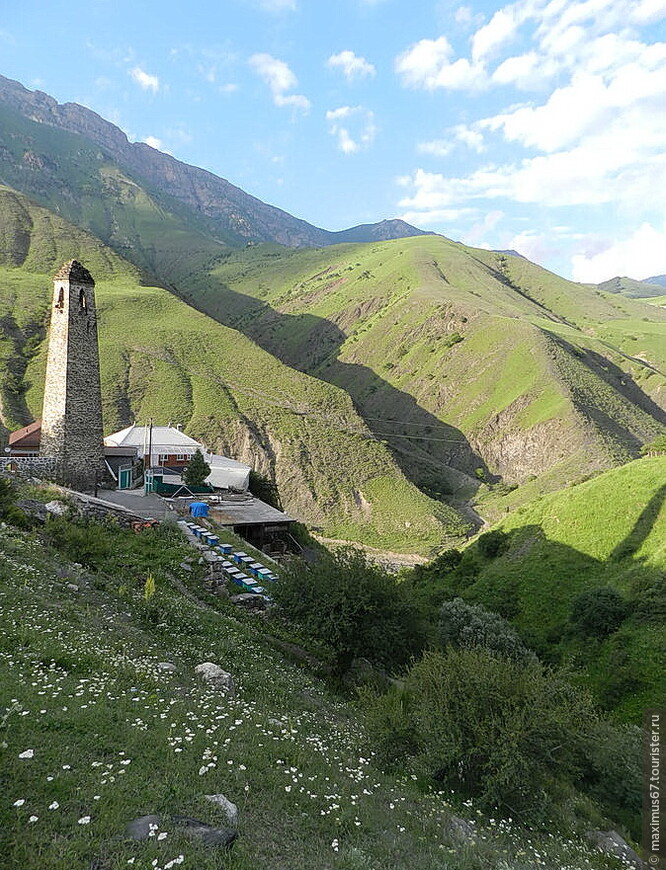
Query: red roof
[[28, 436]]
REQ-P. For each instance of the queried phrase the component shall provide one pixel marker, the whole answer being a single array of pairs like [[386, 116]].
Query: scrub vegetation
[[97, 730]]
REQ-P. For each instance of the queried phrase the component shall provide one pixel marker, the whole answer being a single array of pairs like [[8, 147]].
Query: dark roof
[[74, 271]]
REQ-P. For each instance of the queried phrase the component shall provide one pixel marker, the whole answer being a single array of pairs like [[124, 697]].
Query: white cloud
[[500, 29], [360, 120], [279, 78], [352, 66], [472, 138], [154, 142], [427, 64], [436, 147], [436, 217], [145, 80], [639, 256]]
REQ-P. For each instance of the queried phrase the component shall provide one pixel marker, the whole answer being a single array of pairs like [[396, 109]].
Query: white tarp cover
[[226, 473]]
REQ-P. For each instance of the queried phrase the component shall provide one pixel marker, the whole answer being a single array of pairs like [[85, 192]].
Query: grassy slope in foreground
[[162, 359], [610, 531], [113, 737]]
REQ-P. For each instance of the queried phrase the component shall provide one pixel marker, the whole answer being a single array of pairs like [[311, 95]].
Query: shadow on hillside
[[433, 454], [624, 385], [642, 527], [536, 585]]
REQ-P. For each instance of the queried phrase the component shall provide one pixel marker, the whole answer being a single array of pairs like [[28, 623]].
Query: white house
[[169, 447]]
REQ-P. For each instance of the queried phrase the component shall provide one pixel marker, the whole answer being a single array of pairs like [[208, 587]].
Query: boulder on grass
[[215, 675]]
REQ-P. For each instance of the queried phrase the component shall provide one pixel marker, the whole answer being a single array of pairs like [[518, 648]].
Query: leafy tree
[[197, 471], [470, 625], [355, 608], [443, 564], [598, 612], [263, 488]]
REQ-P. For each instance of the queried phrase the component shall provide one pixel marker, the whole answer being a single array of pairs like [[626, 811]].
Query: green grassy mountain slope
[[607, 532], [467, 363], [531, 369], [631, 288], [161, 358]]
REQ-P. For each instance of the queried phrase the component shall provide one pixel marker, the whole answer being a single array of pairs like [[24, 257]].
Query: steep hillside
[[607, 532], [467, 365], [437, 343], [105, 720], [224, 211], [162, 359]]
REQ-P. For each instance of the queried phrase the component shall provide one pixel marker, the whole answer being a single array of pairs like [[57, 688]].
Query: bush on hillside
[[598, 612], [470, 626], [9, 512], [355, 608], [657, 447], [505, 733], [444, 563], [493, 544]]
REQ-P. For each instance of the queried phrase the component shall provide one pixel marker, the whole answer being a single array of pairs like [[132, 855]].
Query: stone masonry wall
[[72, 413]]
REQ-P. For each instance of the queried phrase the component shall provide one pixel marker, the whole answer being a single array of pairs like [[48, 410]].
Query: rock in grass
[[249, 600], [215, 675], [612, 843], [460, 829], [229, 808], [206, 834], [169, 667], [57, 508], [139, 829]]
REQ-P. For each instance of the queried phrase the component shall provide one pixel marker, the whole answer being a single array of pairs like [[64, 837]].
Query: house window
[[163, 458], [181, 457]]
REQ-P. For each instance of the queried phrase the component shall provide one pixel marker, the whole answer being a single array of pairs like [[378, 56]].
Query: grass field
[[95, 733]]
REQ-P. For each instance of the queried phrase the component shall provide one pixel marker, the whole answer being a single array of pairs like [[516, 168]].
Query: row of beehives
[[237, 566]]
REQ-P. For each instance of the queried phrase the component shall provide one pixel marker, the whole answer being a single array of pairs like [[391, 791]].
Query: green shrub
[[508, 734], [470, 625], [443, 564], [82, 542], [598, 612], [493, 544], [353, 607]]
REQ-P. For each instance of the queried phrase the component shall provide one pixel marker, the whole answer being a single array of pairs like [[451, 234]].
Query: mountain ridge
[[223, 206]]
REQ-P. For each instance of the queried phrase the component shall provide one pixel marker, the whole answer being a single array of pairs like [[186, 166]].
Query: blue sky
[[538, 125]]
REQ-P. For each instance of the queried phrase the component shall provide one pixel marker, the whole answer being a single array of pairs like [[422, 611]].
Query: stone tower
[[72, 414]]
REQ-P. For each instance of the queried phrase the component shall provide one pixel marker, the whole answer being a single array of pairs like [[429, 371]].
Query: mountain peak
[[226, 212]]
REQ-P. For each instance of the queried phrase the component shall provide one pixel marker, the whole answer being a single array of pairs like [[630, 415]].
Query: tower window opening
[[82, 300], [60, 302]]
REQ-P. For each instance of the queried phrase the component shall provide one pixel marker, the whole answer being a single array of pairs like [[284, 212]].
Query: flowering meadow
[[96, 730]]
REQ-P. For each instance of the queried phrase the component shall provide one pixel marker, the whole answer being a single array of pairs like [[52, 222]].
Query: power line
[[336, 424]]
